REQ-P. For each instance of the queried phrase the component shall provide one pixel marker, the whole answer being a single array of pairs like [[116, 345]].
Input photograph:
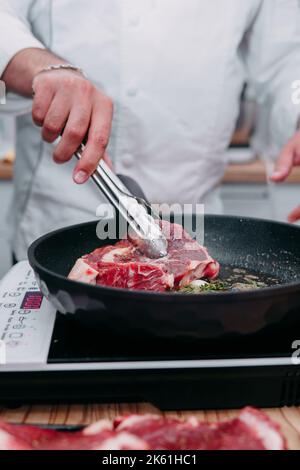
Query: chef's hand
[[64, 99], [294, 215], [289, 157]]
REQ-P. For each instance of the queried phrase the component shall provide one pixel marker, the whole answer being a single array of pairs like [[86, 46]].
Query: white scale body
[[26, 318]]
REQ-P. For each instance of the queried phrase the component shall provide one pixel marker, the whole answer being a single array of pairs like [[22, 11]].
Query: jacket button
[[127, 160]]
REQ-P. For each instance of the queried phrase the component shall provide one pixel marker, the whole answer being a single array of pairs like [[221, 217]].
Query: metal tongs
[[143, 231]]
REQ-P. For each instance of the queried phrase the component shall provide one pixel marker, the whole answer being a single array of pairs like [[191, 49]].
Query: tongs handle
[[110, 185], [120, 197]]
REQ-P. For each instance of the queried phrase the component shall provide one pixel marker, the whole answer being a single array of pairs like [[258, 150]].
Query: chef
[[155, 84]]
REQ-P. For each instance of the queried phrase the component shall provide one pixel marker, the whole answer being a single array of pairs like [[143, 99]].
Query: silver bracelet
[[63, 67], [60, 67]]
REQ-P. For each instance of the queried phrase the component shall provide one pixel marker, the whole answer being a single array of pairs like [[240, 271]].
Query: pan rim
[[167, 297]]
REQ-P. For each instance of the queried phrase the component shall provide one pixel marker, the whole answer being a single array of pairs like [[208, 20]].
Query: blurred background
[[244, 190]]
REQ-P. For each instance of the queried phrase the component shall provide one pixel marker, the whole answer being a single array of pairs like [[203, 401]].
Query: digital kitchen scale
[[49, 358]]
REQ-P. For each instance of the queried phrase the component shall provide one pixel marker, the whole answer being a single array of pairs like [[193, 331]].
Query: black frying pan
[[267, 247]]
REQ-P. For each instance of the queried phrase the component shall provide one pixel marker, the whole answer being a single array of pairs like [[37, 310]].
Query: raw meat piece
[[47, 439], [9, 441], [81, 272], [116, 441], [252, 430], [167, 433], [123, 441], [264, 428], [122, 265], [98, 436], [186, 259]]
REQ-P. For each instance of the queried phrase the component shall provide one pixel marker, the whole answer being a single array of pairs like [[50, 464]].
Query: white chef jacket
[[174, 69]]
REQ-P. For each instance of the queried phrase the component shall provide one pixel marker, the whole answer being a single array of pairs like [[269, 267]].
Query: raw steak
[[122, 265], [98, 436], [251, 430]]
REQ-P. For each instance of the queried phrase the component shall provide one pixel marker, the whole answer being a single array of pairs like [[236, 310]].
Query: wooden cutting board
[[287, 418]]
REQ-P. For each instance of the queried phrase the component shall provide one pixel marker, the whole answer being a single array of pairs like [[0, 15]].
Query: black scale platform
[[73, 342]]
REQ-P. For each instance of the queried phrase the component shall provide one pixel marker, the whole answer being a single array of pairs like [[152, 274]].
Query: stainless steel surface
[[143, 231]]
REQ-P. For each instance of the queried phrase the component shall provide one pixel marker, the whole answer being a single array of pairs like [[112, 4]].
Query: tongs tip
[[154, 249]]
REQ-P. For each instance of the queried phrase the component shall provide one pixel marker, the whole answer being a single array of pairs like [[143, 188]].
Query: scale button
[[16, 335]]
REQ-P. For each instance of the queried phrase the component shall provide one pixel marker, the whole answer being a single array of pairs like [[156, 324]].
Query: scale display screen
[[32, 301]]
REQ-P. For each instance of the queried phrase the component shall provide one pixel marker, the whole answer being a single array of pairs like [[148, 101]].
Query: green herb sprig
[[212, 286]]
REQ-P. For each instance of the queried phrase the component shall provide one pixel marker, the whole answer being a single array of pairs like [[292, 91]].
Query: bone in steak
[[123, 265], [251, 430]]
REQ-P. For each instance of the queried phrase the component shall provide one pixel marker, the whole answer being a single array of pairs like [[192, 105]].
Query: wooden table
[[287, 418]]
